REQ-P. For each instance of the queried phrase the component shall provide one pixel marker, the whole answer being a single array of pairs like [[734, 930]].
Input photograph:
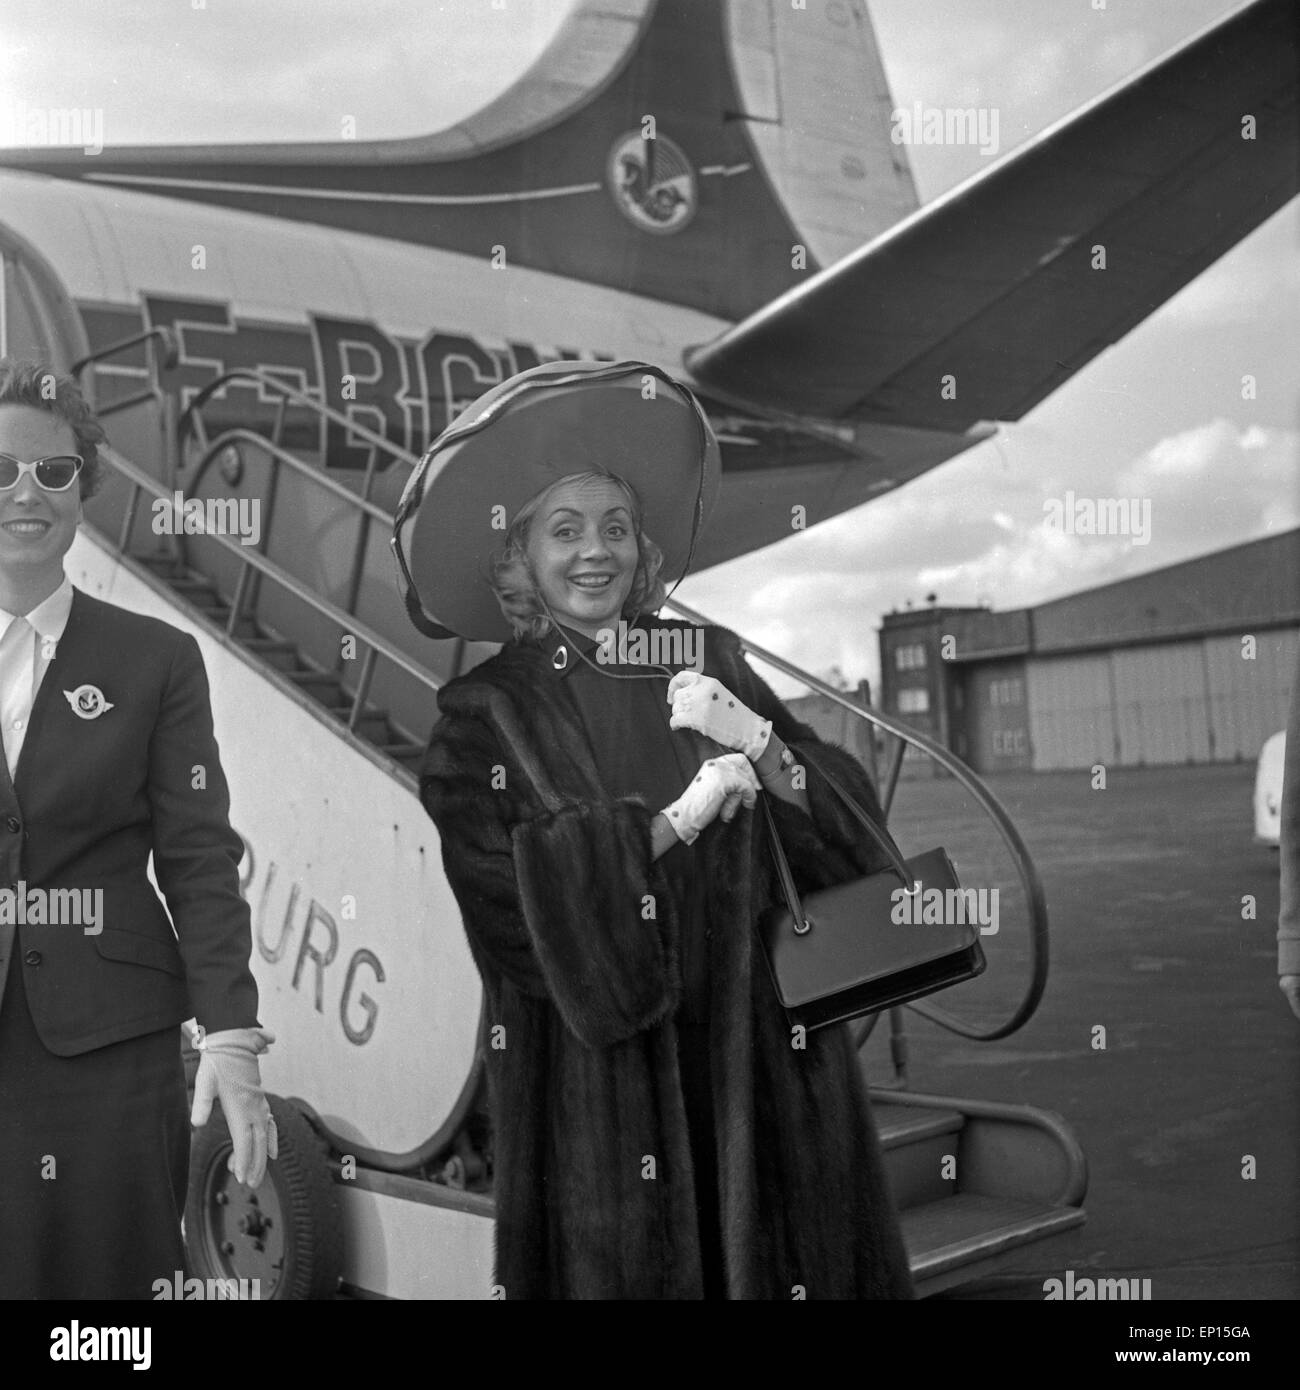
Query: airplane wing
[[996, 284]]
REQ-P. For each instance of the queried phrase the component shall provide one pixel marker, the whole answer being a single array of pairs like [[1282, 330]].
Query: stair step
[[317, 678], [206, 599], [402, 752], [918, 1144], [330, 697], [324, 687], [274, 651], [907, 1124], [950, 1240], [371, 726], [282, 655], [218, 617], [166, 566]]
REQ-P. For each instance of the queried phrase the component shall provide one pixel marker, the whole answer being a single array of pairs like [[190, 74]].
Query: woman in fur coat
[[660, 1130]]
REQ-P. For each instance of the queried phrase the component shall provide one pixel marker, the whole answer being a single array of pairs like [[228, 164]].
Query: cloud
[[1186, 455], [1217, 484], [1254, 438], [975, 531]]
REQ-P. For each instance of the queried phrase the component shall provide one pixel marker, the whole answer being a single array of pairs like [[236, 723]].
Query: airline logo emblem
[[87, 701], [652, 183]]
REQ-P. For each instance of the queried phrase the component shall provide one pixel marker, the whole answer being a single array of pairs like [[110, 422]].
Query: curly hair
[[511, 575], [24, 382]]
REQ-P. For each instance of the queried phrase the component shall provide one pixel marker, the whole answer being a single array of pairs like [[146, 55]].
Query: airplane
[[289, 324]]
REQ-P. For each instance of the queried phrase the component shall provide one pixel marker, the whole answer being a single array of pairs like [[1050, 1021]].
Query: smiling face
[[36, 527], [583, 551]]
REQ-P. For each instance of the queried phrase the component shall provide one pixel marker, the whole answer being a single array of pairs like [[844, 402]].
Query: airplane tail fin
[[711, 155]]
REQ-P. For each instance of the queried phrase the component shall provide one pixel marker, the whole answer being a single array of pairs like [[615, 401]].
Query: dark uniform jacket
[[593, 1174], [90, 799]]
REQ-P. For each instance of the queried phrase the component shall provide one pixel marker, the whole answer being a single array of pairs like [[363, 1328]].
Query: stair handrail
[[192, 422], [242, 434], [161, 333], [277, 387], [1025, 867], [144, 482], [164, 353]]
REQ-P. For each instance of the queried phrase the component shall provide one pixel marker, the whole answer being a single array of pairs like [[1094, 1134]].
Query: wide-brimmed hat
[[627, 418]]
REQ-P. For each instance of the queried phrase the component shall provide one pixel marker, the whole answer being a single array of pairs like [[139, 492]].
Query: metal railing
[[377, 646], [279, 457], [192, 422], [253, 562], [163, 355], [192, 419], [375, 643], [164, 352], [992, 807]]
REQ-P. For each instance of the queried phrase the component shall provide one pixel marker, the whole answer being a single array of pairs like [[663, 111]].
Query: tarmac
[[1189, 1113]]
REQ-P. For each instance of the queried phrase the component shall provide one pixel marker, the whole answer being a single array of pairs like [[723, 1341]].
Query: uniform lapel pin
[[87, 701]]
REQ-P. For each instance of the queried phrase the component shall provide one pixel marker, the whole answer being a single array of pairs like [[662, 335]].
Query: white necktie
[[17, 668]]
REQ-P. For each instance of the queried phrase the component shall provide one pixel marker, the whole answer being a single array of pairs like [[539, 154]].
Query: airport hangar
[[1192, 663]]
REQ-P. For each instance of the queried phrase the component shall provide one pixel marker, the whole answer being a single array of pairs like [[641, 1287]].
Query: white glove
[[228, 1072], [720, 787], [707, 706]]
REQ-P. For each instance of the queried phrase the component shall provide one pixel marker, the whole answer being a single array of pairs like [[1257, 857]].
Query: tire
[[288, 1234]]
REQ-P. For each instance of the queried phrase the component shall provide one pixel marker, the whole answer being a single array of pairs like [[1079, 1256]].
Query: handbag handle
[[880, 835]]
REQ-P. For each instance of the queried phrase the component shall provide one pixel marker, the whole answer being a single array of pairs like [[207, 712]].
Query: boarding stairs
[[976, 1182]]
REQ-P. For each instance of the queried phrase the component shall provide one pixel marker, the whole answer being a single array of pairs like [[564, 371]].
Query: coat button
[[13, 825], [32, 958]]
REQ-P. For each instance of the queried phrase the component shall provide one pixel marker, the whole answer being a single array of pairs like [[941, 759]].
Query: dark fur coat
[[593, 1180]]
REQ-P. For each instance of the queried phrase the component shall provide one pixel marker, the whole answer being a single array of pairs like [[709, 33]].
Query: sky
[[1158, 417]]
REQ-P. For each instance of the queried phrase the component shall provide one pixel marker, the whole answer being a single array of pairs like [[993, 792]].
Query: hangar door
[[1161, 704], [1250, 690], [1071, 722]]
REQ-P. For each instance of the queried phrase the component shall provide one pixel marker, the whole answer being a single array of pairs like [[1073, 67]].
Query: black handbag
[[842, 952]]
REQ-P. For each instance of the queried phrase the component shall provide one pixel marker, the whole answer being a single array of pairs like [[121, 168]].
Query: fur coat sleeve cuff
[[565, 906], [600, 924]]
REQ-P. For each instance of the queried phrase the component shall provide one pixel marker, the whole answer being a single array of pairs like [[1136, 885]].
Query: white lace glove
[[707, 706], [720, 787], [228, 1072]]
